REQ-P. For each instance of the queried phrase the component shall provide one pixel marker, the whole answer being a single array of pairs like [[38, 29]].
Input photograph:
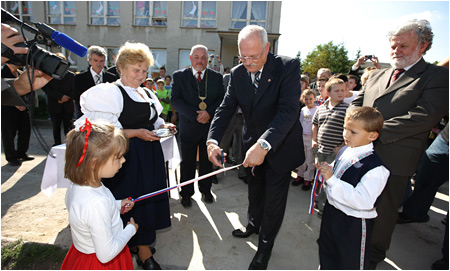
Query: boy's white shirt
[[356, 201]]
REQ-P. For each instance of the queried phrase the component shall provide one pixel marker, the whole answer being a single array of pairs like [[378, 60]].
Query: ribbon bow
[[86, 127]]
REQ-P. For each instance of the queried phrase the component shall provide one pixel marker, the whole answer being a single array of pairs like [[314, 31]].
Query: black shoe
[[298, 181], [14, 163], [214, 179], [245, 231], [441, 264], [208, 197], [26, 158], [186, 202], [260, 261], [149, 264], [306, 185], [403, 218]]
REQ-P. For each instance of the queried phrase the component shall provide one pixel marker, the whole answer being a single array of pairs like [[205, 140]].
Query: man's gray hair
[[94, 49], [253, 29], [198, 46], [422, 28]]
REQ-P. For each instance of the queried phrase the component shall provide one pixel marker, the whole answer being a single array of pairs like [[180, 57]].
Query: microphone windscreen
[[70, 44]]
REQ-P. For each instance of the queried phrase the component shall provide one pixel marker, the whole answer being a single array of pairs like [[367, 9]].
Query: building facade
[[169, 28]]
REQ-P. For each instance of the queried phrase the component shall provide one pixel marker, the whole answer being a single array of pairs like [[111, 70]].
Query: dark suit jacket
[[271, 114], [55, 90], [83, 81], [185, 100], [411, 106]]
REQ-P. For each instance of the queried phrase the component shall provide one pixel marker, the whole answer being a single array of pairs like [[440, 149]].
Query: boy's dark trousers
[[341, 240]]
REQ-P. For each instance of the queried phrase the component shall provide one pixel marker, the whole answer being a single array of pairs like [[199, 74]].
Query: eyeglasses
[[243, 59]]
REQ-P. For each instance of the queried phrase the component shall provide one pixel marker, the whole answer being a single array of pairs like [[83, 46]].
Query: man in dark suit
[[196, 93], [95, 75], [412, 96], [267, 89], [60, 104]]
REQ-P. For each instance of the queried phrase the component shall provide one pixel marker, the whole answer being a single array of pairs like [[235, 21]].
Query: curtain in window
[[69, 8], [239, 10], [142, 8], [258, 11], [54, 8]]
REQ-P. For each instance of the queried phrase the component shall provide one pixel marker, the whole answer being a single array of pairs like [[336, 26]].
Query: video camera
[[38, 57]]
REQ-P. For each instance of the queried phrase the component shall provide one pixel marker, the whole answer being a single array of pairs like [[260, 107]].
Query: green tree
[[329, 56]]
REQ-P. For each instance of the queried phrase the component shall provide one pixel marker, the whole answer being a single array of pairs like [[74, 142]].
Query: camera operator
[[359, 62], [20, 85]]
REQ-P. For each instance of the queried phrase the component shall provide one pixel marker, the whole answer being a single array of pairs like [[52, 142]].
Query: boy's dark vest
[[354, 173]]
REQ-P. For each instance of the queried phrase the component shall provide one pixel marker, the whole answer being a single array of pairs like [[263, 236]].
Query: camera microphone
[[62, 39], [69, 43]]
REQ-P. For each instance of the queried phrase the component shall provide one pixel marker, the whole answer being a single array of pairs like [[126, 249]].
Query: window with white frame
[[160, 58], [21, 9], [183, 58], [150, 13], [104, 12], [111, 54], [61, 12], [244, 13], [199, 14]]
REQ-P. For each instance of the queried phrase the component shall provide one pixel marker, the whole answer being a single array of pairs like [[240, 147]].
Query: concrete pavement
[[200, 236]]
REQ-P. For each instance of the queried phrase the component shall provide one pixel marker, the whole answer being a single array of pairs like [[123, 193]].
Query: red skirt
[[76, 260]]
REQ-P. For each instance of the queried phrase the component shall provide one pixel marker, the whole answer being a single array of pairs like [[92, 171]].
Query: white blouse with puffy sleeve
[[105, 101]]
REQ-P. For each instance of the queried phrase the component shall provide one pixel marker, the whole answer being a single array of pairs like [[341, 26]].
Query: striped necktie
[[97, 79], [256, 81], [397, 74]]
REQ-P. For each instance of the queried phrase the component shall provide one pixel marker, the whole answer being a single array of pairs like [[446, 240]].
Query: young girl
[[95, 151], [306, 171]]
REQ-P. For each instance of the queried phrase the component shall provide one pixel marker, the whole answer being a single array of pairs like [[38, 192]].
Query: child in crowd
[[305, 172], [172, 114], [164, 98], [354, 183], [323, 93], [327, 129], [349, 95], [149, 84], [95, 151]]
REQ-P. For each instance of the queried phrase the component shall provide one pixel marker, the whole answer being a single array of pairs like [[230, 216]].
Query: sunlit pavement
[[200, 237]]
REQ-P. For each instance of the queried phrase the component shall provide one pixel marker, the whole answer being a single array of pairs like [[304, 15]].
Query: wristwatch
[[263, 144]]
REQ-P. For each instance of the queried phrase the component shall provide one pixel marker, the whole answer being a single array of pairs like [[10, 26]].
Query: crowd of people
[[355, 144]]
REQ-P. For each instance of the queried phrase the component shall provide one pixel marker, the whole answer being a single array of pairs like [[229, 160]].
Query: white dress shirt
[[95, 223], [105, 101], [94, 75], [356, 201]]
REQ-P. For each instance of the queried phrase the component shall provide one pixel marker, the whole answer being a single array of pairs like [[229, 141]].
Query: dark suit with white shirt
[[272, 114], [411, 107], [185, 100]]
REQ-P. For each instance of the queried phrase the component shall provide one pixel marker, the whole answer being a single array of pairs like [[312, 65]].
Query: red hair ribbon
[[86, 127]]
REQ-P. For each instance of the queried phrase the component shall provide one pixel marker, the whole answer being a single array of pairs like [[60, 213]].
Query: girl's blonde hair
[[104, 142]]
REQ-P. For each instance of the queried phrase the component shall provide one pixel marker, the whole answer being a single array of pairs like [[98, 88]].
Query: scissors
[[222, 159]]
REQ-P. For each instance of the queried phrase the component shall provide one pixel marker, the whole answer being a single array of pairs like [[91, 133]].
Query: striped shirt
[[331, 125]]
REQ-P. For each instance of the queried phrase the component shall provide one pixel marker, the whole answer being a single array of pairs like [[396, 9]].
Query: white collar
[[194, 72], [94, 73]]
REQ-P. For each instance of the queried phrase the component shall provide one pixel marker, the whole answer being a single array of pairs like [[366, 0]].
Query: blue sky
[[358, 25]]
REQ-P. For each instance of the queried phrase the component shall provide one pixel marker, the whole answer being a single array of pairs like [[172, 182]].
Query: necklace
[[202, 105]]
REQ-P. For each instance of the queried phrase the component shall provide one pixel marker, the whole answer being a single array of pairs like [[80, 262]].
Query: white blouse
[[105, 101], [356, 201], [95, 223]]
